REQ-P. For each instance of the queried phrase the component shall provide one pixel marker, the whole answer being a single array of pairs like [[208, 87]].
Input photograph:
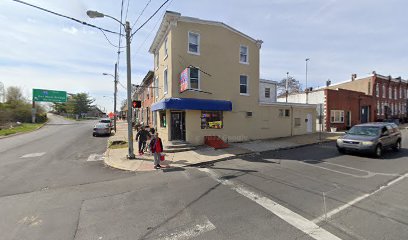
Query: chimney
[[328, 83], [353, 76]]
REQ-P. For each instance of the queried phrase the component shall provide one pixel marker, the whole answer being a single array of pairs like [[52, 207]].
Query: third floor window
[[243, 54], [194, 43]]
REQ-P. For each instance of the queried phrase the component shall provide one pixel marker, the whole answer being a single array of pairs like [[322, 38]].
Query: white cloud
[[71, 30]]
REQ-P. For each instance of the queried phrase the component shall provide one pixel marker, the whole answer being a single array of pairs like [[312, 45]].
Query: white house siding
[[267, 84]]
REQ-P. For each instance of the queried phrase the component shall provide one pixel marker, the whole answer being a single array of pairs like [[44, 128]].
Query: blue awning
[[192, 104]]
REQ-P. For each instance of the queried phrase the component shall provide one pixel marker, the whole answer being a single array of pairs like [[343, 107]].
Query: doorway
[[309, 123], [365, 114], [178, 126]]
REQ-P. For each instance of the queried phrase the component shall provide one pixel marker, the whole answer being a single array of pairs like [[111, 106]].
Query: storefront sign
[[184, 80]]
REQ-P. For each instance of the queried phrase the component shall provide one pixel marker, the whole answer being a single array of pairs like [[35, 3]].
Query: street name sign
[[44, 95]]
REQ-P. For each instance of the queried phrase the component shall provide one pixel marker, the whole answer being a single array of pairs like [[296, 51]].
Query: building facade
[[267, 91], [145, 93], [206, 79]]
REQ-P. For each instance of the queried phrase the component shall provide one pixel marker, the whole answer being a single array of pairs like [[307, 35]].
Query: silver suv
[[370, 138]]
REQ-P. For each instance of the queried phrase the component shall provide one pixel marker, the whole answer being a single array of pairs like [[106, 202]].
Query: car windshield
[[364, 131], [105, 121]]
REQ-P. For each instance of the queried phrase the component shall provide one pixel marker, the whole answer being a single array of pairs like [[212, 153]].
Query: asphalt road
[[305, 193]]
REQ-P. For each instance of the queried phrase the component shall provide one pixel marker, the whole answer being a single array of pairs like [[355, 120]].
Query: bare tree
[[294, 86]]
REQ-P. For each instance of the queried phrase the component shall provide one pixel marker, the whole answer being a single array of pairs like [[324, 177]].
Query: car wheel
[[341, 150], [93, 134], [397, 146], [378, 151]]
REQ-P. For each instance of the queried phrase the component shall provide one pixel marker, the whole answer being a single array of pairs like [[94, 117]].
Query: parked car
[[101, 129], [371, 138], [107, 120]]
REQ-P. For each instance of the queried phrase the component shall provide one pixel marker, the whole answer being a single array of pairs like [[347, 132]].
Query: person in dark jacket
[[156, 146], [142, 137]]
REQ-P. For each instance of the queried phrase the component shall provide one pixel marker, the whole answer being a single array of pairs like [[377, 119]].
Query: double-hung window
[[243, 54], [267, 93], [156, 87], [194, 43], [194, 78], [157, 60], [377, 90], [165, 81], [165, 49], [337, 116], [243, 85], [384, 92]]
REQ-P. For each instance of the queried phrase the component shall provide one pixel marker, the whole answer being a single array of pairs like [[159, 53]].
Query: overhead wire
[[149, 18], [64, 16], [154, 27], [141, 13]]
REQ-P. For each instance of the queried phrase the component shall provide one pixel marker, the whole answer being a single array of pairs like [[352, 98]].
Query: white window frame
[[336, 119], [198, 43], [384, 91], [390, 92], [199, 79], [377, 90], [247, 54], [157, 59], [269, 92], [165, 49], [247, 85], [395, 93], [156, 87], [165, 81], [378, 108]]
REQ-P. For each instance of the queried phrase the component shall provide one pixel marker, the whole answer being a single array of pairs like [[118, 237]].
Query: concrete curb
[[116, 166], [19, 133]]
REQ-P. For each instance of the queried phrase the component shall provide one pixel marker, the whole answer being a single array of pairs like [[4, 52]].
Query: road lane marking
[[30, 155], [294, 219], [190, 232], [362, 170], [95, 157], [369, 174], [358, 199]]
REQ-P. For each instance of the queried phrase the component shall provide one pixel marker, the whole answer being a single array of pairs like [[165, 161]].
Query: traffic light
[[136, 104]]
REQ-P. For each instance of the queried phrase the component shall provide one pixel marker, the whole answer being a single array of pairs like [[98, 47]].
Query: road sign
[[43, 95]]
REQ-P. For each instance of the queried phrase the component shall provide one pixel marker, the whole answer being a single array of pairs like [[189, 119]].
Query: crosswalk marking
[[95, 157], [294, 219], [31, 155]]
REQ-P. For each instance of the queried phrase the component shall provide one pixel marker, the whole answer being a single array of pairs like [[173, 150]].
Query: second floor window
[[165, 81], [156, 87], [243, 54], [157, 60], [267, 93], [194, 43], [390, 92], [194, 78], [243, 84], [377, 90], [384, 92]]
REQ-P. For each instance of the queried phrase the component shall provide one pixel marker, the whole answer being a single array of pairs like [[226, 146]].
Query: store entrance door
[[178, 127]]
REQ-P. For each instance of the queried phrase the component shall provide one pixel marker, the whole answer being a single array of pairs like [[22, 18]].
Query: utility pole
[[129, 93], [306, 90], [287, 83], [115, 95]]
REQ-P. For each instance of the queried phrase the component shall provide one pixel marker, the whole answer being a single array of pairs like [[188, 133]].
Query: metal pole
[[33, 112], [115, 95], [306, 91], [287, 83], [129, 93]]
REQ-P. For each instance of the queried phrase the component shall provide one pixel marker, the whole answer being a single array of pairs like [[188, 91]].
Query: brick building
[[145, 92], [389, 94]]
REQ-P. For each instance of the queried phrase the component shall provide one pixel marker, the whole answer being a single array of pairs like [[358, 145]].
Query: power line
[[110, 41], [150, 33], [141, 13], [127, 10], [64, 16], [149, 18]]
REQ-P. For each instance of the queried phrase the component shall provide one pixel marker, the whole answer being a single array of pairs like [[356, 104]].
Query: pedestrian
[[156, 146], [142, 136], [152, 131]]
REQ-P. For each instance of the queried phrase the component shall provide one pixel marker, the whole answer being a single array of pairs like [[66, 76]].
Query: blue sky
[[40, 50]]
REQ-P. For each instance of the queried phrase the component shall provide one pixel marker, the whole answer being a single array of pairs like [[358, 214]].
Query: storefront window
[[163, 122], [212, 120]]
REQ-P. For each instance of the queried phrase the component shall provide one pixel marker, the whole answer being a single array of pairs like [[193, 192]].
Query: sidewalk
[[116, 158]]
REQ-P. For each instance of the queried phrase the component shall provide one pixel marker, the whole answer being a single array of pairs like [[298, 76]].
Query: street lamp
[[307, 100], [115, 90], [95, 14]]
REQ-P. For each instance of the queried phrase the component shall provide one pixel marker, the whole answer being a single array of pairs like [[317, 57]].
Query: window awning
[[192, 104]]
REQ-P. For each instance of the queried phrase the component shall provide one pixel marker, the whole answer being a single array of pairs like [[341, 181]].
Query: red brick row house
[[145, 92]]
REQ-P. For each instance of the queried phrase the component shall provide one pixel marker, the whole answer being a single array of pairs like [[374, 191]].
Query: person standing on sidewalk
[[142, 136], [156, 146]]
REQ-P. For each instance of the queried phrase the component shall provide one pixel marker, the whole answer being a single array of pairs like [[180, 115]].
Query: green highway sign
[[44, 95]]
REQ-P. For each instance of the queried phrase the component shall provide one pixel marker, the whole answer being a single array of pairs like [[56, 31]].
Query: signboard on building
[[44, 95], [184, 80]]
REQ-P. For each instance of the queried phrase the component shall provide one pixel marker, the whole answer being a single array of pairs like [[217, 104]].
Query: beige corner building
[[207, 83]]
